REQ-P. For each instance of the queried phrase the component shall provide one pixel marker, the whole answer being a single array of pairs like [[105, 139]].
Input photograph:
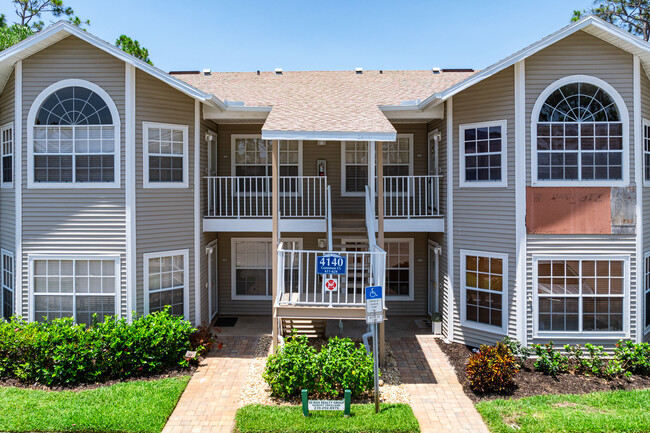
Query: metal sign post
[[374, 316]]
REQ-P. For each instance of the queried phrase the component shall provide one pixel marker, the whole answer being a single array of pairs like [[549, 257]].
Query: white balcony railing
[[300, 285], [412, 196], [250, 197]]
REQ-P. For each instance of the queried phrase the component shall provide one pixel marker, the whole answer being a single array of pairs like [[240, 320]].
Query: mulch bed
[[12, 382], [530, 382]]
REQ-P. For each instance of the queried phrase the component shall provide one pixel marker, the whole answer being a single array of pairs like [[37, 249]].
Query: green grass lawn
[[392, 418], [130, 407], [615, 411]]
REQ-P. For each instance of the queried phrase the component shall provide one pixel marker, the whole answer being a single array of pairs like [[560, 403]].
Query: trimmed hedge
[[62, 352]]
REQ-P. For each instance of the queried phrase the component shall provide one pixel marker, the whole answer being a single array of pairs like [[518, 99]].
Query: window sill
[[73, 185], [483, 327], [482, 184], [592, 335], [579, 183], [163, 185]]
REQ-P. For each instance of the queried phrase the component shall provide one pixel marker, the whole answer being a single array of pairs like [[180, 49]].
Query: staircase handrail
[[328, 204]]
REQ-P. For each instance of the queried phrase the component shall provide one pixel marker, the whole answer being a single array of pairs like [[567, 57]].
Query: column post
[[275, 237], [380, 237]]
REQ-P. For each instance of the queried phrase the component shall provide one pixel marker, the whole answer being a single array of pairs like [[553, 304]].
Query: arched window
[[579, 133], [74, 136]]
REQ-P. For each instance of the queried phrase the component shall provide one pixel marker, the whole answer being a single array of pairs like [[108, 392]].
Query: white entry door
[[434, 251], [213, 296]]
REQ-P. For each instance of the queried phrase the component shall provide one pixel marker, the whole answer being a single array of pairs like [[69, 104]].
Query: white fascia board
[[397, 112], [236, 112], [41, 38], [534, 48], [328, 135]]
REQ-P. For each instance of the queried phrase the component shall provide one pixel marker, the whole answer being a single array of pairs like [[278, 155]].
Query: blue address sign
[[331, 264]]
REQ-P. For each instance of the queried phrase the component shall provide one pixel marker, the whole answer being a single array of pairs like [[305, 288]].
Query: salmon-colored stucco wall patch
[[568, 210]]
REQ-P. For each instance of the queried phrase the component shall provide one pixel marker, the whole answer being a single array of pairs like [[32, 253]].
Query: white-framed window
[[646, 292], [581, 295], [252, 156], [398, 161], [252, 266], [165, 160], [74, 286], [483, 154], [73, 137], [579, 134], [7, 144], [646, 152], [484, 290], [399, 269], [8, 284], [166, 282]]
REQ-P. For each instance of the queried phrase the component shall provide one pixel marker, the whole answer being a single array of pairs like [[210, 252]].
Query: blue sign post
[[331, 264], [375, 315]]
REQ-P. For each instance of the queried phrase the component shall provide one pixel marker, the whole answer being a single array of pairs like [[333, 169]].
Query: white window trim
[[3, 128], [233, 268], [344, 193], [233, 150], [594, 335], [504, 292], [7, 253], [33, 257], [645, 123], [411, 295], [31, 117], [644, 291], [625, 120], [146, 183], [186, 277], [463, 183]]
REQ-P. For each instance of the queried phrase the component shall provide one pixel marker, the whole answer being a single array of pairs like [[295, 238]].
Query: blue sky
[[246, 35]]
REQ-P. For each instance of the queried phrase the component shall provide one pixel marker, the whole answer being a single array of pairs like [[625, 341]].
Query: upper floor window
[[7, 143], [74, 137], [483, 154], [579, 134], [252, 156], [165, 155]]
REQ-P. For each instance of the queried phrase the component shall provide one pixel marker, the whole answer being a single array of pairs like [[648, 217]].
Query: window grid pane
[[398, 268], [253, 158], [166, 281], [484, 283], [74, 287], [647, 291], [7, 145], [166, 153], [7, 286], [580, 295], [482, 149]]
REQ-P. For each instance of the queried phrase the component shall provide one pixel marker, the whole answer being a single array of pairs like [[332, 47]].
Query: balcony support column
[[380, 237], [275, 237]]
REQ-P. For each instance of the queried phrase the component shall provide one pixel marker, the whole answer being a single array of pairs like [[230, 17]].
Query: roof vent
[[278, 71], [381, 71], [359, 70], [436, 70], [207, 72], [258, 72]]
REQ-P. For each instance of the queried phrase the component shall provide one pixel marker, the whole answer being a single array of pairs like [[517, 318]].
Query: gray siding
[[645, 112], [78, 221], [165, 216], [7, 195], [484, 218]]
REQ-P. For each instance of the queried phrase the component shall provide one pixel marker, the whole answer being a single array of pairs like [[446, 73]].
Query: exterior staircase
[[312, 328]]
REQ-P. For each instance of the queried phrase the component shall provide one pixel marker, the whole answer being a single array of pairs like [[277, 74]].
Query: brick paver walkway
[[437, 397], [209, 402]]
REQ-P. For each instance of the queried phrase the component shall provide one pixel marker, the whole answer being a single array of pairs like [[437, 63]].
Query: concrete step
[[312, 328]]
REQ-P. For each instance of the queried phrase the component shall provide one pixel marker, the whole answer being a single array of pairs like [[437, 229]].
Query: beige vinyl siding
[[484, 218], [73, 221], [7, 195], [444, 286], [580, 245], [165, 216], [579, 54]]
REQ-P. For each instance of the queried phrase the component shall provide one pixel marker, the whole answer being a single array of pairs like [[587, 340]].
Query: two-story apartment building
[[511, 200]]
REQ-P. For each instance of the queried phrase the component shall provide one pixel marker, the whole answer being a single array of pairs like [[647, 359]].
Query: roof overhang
[[329, 135], [63, 29], [590, 24]]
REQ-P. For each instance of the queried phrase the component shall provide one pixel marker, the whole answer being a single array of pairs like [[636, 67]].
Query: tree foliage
[[11, 35], [132, 47], [631, 15], [30, 12]]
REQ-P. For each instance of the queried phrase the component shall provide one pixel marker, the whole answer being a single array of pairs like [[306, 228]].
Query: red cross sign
[[330, 284]]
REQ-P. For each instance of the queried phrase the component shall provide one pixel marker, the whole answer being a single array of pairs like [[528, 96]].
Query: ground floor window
[[399, 268], [7, 294], [78, 287], [580, 294], [646, 285], [166, 280], [484, 288], [252, 266]]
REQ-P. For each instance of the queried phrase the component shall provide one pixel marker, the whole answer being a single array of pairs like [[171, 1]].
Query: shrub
[[549, 360], [634, 357], [521, 352], [202, 340], [293, 368], [492, 369], [62, 352], [344, 365], [593, 361]]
